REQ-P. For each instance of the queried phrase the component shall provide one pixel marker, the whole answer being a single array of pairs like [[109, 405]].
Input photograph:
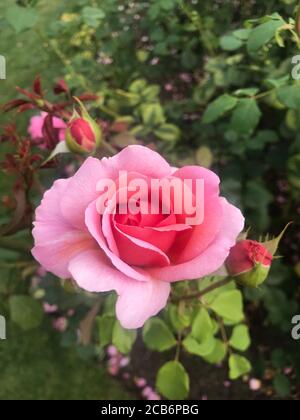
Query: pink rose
[[137, 255], [83, 135], [35, 129], [249, 262], [245, 255]]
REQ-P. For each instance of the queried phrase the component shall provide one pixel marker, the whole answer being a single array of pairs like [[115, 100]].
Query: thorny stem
[[21, 264], [108, 111], [263, 94], [178, 346], [223, 330], [203, 292], [179, 341]]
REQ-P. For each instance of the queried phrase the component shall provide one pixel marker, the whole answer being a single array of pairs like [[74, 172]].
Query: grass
[[34, 366]]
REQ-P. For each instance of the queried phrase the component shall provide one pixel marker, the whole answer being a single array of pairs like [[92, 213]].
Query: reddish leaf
[[37, 86], [61, 87], [25, 92], [25, 107], [88, 97], [50, 133], [20, 198], [13, 104]]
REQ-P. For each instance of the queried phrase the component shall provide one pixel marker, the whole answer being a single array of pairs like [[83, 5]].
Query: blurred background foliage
[[208, 83]]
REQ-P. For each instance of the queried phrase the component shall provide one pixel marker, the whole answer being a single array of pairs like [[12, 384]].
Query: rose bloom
[[35, 129], [83, 134], [140, 255], [249, 262], [245, 255]]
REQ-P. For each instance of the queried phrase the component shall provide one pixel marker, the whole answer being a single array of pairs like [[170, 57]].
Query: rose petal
[[93, 272], [213, 257], [56, 241], [138, 252], [137, 301], [140, 301], [190, 244], [143, 160], [93, 223], [82, 188], [212, 181]]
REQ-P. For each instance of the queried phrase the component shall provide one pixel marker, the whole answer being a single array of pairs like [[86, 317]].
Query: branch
[[209, 289], [14, 245]]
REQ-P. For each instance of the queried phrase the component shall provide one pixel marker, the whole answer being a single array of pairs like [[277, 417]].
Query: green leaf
[[211, 296], [289, 96], [177, 319], [138, 86], [282, 386], [263, 34], [25, 311], [153, 115], [242, 34], [139, 130], [106, 324], [218, 108], [157, 335], [257, 195], [60, 148], [240, 339], [123, 339], [173, 381], [5, 280], [202, 326], [21, 18], [292, 119], [142, 55], [204, 157], [246, 116], [202, 349], [293, 166], [273, 244], [92, 16], [247, 92], [168, 132], [168, 5], [218, 354], [229, 305], [238, 366], [150, 93], [230, 43]]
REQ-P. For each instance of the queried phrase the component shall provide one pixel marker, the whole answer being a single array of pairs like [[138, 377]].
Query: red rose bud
[[83, 134], [249, 262]]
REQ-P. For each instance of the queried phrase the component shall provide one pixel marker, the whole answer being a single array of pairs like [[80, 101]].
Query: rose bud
[[83, 134], [249, 262]]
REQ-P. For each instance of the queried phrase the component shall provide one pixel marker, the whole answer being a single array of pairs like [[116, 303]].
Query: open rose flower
[[137, 255]]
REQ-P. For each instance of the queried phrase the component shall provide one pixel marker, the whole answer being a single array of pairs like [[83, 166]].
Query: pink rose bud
[[249, 262], [83, 134]]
